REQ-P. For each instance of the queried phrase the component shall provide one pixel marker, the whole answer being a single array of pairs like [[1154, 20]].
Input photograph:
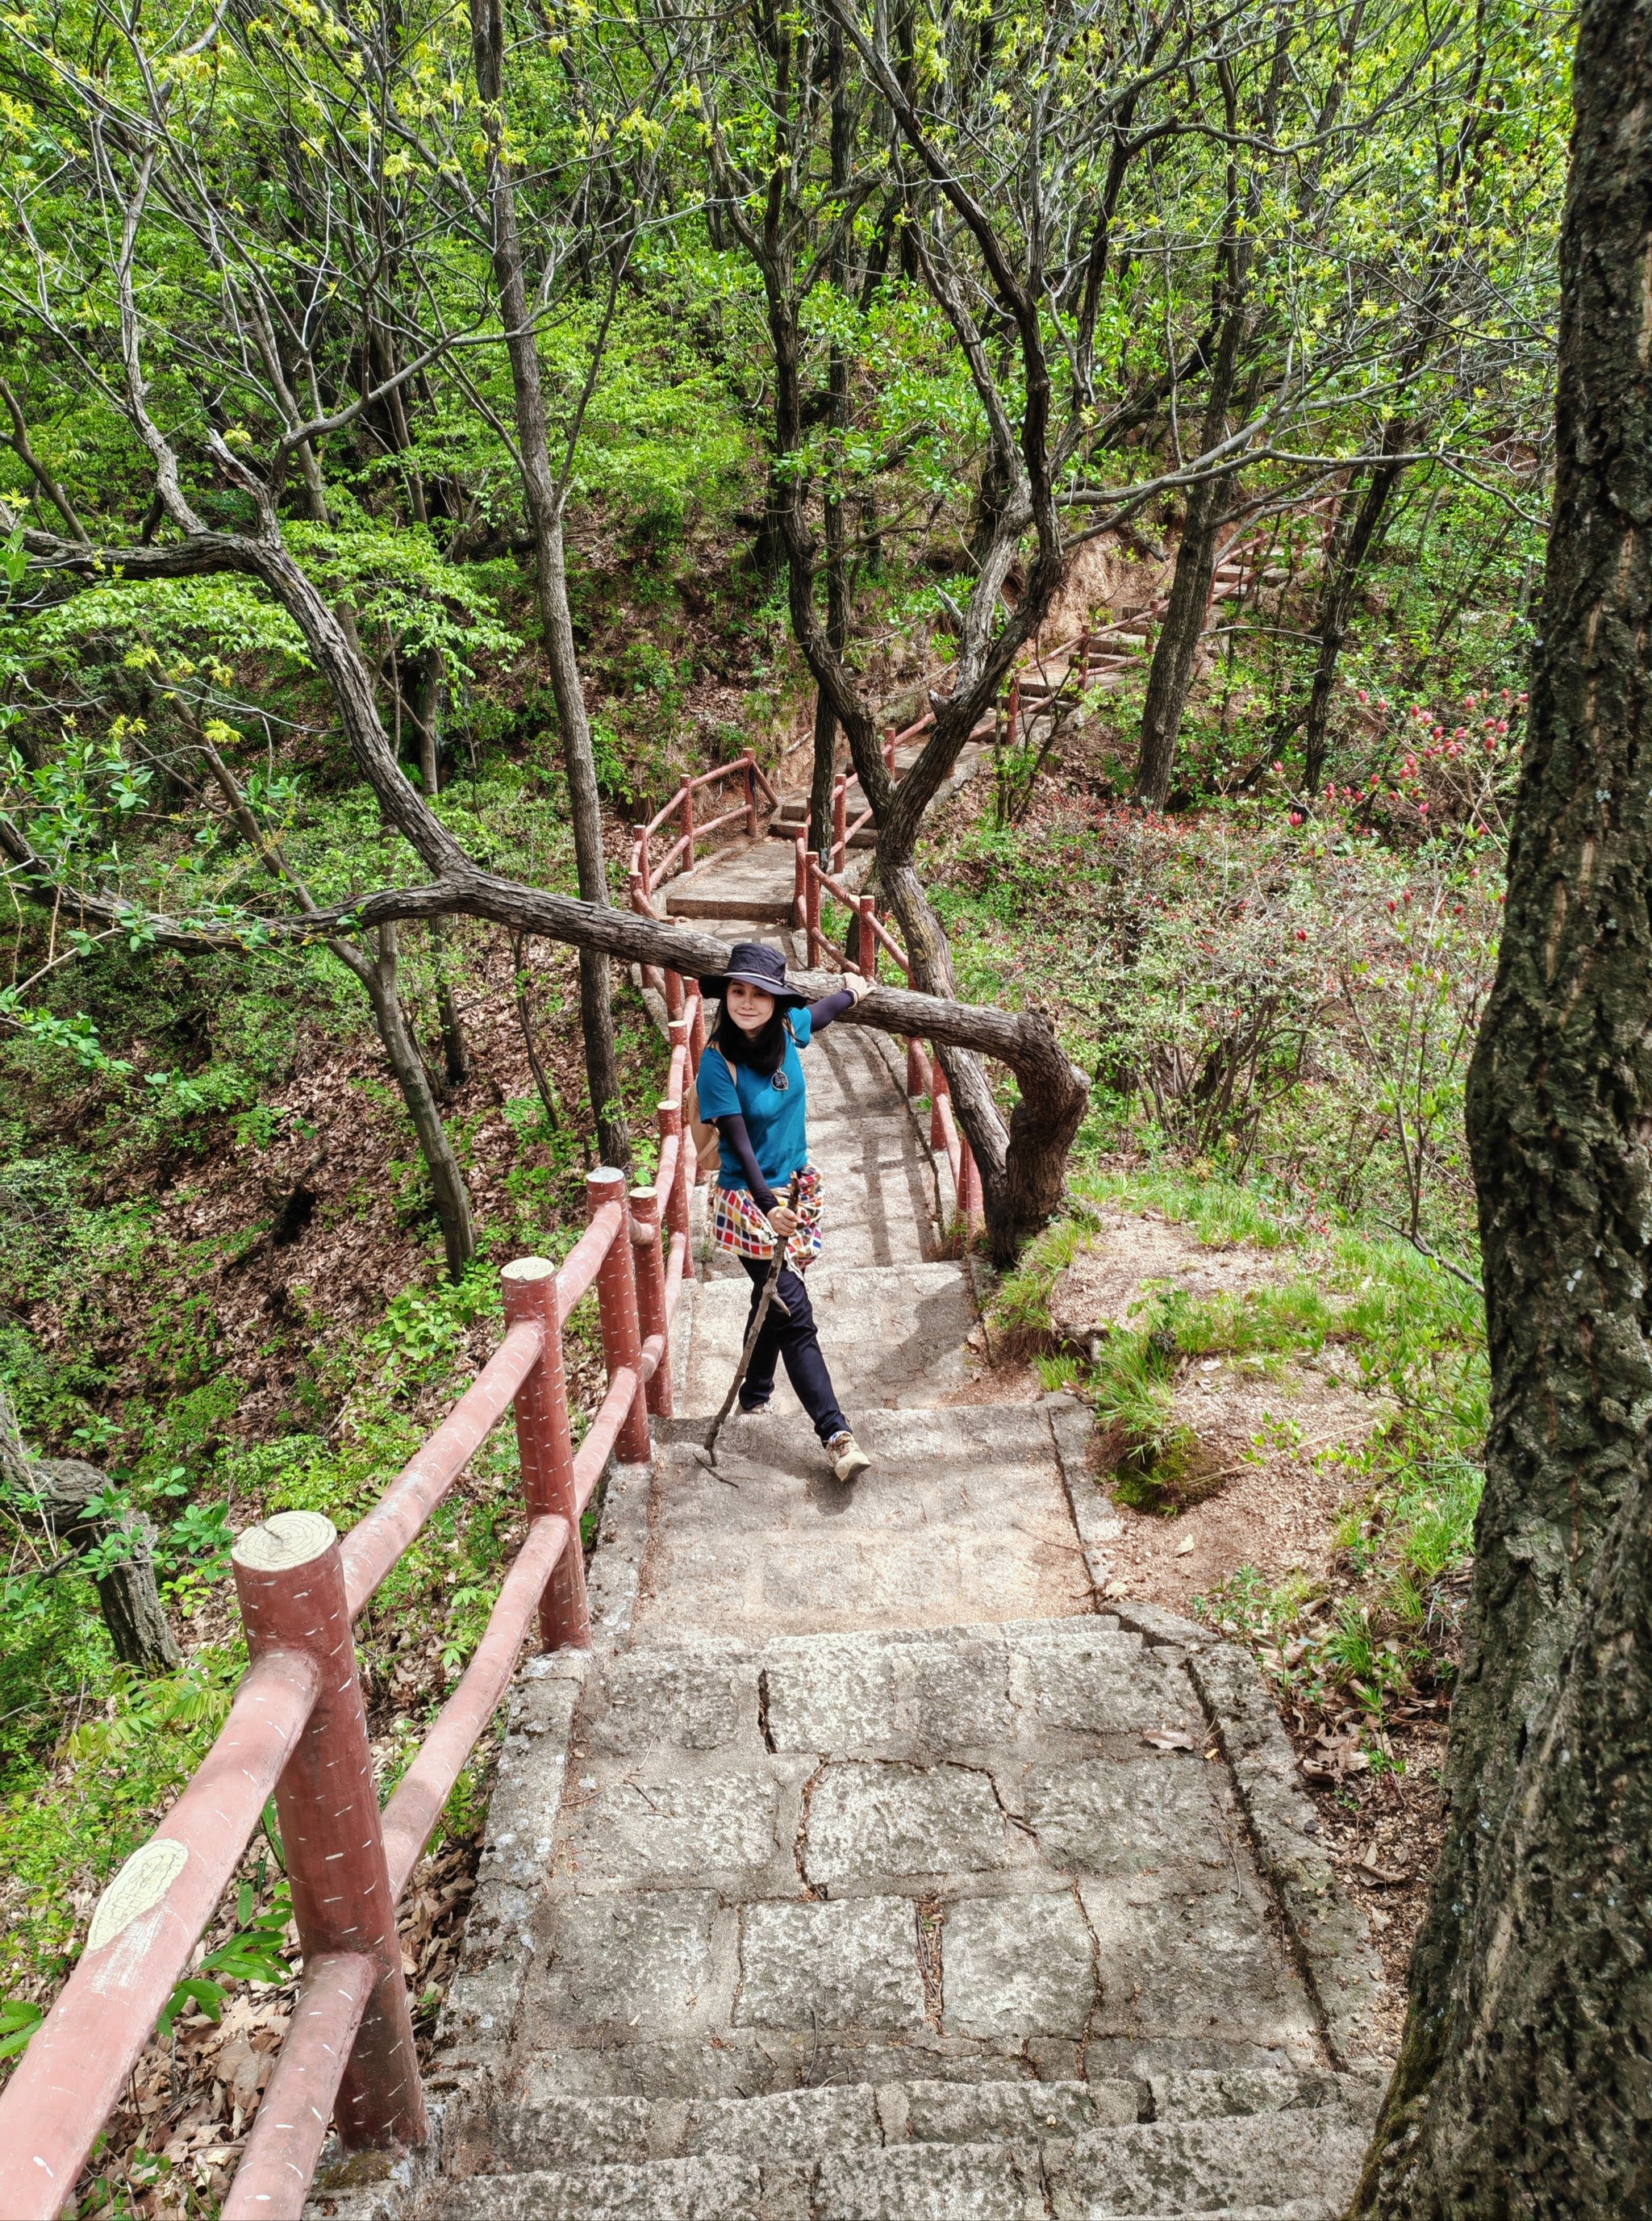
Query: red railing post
[[889, 750], [751, 797], [677, 1203], [917, 1077], [640, 835], [673, 994], [867, 939], [938, 1091], [800, 882], [839, 824], [545, 1446], [688, 827], [651, 1293], [290, 1584], [969, 1185], [813, 918], [616, 1299], [697, 1035]]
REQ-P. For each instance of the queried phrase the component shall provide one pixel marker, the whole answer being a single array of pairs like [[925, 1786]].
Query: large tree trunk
[[1522, 2084], [544, 498], [1176, 656], [823, 774]]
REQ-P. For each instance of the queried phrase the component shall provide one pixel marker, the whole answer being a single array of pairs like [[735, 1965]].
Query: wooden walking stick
[[707, 1452]]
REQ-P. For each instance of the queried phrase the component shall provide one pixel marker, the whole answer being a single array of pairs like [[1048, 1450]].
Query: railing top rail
[[702, 779], [416, 1806], [378, 1540], [145, 1927], [578, 1272]]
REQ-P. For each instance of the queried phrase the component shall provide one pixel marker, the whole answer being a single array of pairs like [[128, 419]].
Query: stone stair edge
[[805, 2123], [1330, 1934], [1145, 2168]]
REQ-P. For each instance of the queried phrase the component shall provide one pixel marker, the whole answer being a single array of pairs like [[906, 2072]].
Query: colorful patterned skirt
[[739, 1227]]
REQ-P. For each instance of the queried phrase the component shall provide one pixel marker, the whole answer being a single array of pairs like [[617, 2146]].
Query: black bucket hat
[[755, 964]]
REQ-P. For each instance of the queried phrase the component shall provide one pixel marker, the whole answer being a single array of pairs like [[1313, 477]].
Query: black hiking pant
[[790, 1337]]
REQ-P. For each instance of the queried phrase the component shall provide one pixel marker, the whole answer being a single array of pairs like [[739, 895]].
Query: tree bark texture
[[1524, 2087], [1175, 654], [544, 499], [823, 774]]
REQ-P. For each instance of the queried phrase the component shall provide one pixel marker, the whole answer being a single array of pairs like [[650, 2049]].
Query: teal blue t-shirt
[[774, 1116]]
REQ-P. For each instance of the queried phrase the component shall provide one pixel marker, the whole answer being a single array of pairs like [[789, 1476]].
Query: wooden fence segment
[[297, 1729], [545, 1448], [289, 1585], [415, 1807], [379, 1540], [289, 2127], [143, 1933]]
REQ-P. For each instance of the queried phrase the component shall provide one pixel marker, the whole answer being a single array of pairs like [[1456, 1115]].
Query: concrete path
[[867, 1871]]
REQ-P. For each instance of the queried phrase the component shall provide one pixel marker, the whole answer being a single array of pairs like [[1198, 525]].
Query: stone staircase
[[870, 1868], [1171, 2145]]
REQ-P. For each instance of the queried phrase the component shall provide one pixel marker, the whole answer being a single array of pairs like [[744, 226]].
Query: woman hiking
[[751, 1087]]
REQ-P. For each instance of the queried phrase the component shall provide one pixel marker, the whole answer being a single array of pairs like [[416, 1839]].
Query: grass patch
[[1368, 1310]]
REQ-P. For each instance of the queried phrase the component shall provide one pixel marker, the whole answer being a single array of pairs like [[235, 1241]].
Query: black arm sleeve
[[830, 1007], [732, 1130]]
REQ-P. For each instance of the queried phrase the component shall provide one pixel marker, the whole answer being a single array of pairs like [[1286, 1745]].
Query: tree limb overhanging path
[[867, 1866]]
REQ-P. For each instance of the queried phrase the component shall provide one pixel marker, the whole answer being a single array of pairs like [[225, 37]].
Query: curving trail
[[867, 1870]]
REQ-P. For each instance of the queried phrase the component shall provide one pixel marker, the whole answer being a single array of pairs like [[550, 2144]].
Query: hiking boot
[[848, 1459], [755, 1410]]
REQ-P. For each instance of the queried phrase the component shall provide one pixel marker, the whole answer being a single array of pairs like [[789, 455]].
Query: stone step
[[793, 810], [932, 1855], [822, 2156], [1162, 2167], [963, 1516], [545, 2126]]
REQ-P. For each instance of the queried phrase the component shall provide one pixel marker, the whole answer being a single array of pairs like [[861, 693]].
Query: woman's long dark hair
[[762, 1051]]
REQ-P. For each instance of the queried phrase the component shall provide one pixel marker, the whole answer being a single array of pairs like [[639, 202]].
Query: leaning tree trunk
[[1522, 2087], [544, 500], [435, 1144]]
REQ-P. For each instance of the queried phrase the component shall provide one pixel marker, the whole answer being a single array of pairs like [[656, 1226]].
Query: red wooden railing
[[647, 870], [298, 1730]]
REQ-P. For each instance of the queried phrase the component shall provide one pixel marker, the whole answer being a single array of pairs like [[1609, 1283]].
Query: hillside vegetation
[[850, 407]]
